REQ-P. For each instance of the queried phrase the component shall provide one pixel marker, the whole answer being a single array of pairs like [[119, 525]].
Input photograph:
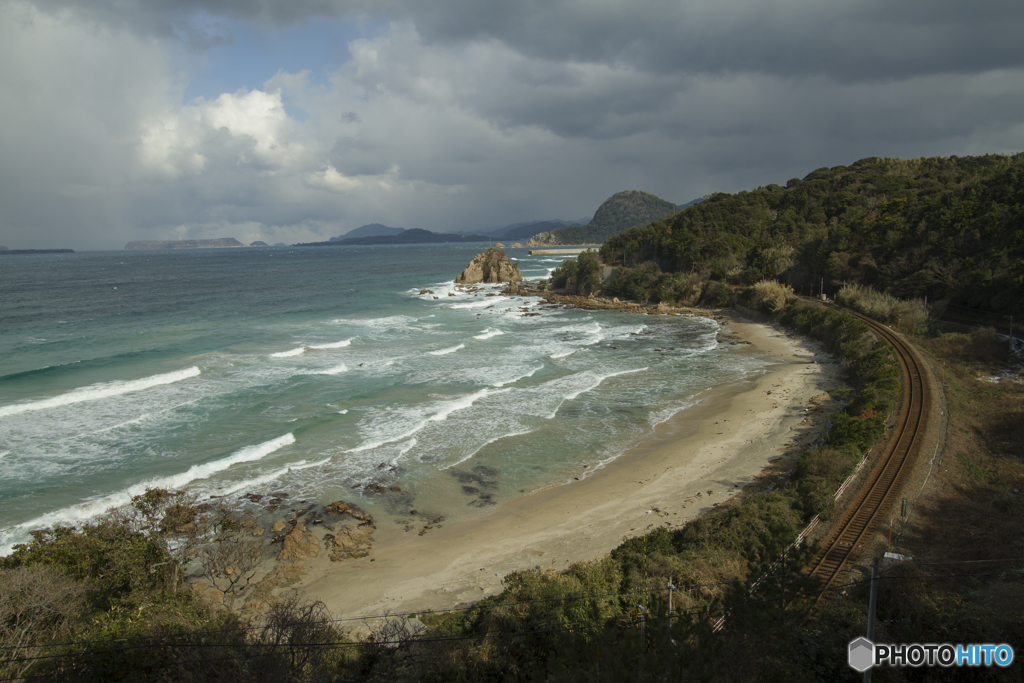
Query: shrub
[[769, 296], [716, 294]]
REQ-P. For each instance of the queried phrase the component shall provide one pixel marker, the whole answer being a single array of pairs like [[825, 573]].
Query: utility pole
[[872, 603], [671, 589]]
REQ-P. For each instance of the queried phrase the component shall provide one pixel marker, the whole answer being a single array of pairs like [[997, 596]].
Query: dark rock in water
[[341, 509], [372, 487], [481, 475], [484, 500]]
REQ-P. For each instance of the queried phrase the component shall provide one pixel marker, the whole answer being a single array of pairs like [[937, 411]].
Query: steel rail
[[886, 478]]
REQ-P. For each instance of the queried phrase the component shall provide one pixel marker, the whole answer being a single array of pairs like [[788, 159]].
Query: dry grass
[[973, 509], [769, 296], [909, 316]]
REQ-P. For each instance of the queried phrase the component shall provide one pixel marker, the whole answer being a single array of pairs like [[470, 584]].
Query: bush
[[37, 604], [581, 275], [716, 294], [118, 559], [769, 296]]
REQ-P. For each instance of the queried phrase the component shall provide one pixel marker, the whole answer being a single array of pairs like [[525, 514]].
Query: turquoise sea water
[[317, 371]]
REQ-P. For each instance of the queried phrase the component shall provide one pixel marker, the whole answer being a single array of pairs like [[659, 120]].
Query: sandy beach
[[700, 458]]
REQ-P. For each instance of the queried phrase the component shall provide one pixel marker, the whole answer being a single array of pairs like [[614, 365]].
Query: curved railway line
[[883, 484]]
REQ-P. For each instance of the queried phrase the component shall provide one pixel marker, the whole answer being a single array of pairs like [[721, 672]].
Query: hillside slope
[[945, 228], [620, 211]]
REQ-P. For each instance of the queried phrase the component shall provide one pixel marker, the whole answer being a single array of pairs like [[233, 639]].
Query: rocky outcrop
[[544, 239], [351, 541], [299, 544], [490, 266]]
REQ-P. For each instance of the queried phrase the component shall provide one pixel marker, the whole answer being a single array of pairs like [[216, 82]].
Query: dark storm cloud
[[850, 41], [462, 113]]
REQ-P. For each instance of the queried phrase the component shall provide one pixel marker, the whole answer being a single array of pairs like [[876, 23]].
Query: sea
[[355, 373]]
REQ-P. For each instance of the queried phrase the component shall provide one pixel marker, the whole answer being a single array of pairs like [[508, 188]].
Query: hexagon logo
[[861, 655]]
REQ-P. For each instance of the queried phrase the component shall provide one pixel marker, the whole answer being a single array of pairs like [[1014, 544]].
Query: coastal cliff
[[490, 266]]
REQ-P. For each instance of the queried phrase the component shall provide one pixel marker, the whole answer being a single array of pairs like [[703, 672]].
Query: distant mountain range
[[513, 232], [412, 236], [618, 212]]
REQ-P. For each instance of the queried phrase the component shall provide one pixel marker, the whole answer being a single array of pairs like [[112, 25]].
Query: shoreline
[[698, 459]]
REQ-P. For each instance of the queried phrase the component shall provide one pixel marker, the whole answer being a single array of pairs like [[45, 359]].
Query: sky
[[299, 120]]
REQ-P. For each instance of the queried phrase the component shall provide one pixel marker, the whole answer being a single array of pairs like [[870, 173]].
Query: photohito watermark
[[863, 654]]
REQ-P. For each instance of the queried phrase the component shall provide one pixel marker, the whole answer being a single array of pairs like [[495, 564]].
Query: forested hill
[[946, 228], [620, 211]]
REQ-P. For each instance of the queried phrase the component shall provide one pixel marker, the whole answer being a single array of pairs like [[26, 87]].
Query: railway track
[[883, 485]]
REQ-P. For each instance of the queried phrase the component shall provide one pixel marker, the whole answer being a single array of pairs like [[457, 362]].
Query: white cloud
[[329, 179], [466, 115]]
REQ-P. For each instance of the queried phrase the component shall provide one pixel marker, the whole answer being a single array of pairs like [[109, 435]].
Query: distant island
[[370, 230], [4, 251], [220, 243], [411, 236]]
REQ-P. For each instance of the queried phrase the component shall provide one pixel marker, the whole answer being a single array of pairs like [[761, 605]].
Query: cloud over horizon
[[465, 115]]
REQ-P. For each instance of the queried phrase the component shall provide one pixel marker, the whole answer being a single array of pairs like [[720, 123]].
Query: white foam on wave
[[487, 334], [98, 391], [273, 475], [530, 373], [486, 443], [335, 345], [420, 418], [3, 453], [563, 354], [407, 446], [445, 352], [473, 304], [336, 370], [286, 354], [599, 379], [82, 512], [344, 411], [384, 322], [669, 411]]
